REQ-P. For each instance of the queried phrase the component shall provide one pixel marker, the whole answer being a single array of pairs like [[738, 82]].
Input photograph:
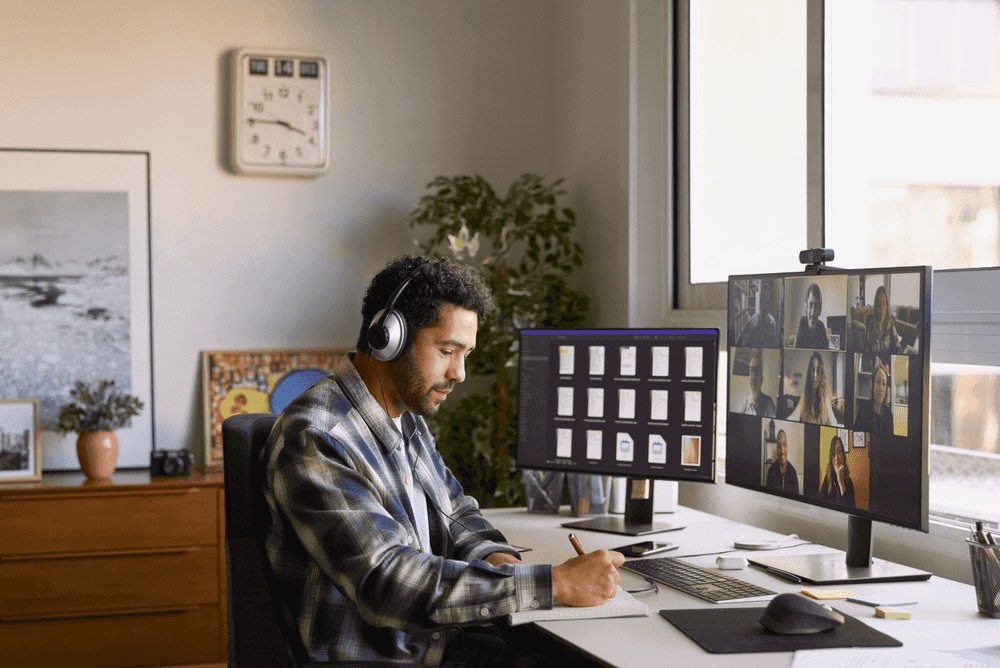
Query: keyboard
[[707, 584]]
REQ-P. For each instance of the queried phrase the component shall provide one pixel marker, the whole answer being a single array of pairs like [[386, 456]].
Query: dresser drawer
[[84, 585], [173, 638], [108, 520]]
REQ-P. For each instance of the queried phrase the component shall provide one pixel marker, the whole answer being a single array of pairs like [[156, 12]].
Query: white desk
[[946, 616]]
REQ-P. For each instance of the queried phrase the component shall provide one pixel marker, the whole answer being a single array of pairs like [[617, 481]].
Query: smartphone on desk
[[646, 548]]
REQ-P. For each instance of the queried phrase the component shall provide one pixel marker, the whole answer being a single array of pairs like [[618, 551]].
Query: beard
[[413, 390]]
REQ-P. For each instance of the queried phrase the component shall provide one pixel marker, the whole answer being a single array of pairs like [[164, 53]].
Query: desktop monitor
[[828, 394], [636, 403]]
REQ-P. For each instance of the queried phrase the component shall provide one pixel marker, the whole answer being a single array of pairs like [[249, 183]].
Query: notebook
[[622, 605]]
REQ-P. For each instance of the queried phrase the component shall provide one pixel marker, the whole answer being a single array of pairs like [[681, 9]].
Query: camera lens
[[173, 465]]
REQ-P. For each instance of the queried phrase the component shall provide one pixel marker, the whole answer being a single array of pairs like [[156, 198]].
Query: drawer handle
[[59, 496], [90, 614], [104, 553]]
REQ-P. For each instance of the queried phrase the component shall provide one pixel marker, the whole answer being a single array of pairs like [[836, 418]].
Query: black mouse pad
[[731, 630]]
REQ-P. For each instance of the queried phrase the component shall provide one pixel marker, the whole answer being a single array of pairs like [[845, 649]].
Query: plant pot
[[98, 453]]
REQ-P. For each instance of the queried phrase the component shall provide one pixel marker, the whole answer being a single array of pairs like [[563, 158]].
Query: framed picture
[[74, 287], [19, 445], [257, 381]]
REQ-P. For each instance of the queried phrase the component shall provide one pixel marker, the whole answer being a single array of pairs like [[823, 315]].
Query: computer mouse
[[792, 614]]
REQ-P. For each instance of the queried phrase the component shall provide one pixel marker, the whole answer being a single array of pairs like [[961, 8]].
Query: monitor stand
[[638, 517], [832, 568]]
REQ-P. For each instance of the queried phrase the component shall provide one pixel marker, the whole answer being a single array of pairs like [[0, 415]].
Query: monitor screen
[[638, 403], [828, 390]]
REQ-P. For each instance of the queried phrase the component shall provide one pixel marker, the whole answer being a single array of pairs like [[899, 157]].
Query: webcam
[[816, 255]]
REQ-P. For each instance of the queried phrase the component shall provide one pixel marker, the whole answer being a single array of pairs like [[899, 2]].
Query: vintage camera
[[170, 462]]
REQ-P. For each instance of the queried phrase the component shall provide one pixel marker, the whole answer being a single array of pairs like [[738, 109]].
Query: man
[[379, 553], [762, 330], [781, 474], [811, 332], [757, 403]]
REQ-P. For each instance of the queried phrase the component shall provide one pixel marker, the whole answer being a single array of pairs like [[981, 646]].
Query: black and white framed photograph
[[19, 445], [75, 287]]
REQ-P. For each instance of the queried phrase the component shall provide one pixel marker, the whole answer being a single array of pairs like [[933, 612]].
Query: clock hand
[[284, 124]]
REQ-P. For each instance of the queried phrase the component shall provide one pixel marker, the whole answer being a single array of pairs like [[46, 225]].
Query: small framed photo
[[20, 450]]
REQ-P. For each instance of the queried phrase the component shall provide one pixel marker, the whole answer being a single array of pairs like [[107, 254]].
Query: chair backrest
[[254, 625]]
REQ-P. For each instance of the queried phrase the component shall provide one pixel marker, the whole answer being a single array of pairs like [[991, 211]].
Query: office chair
[[256, 633]]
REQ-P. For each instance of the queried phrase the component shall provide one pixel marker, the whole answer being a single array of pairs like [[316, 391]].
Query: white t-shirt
[[418, 500]]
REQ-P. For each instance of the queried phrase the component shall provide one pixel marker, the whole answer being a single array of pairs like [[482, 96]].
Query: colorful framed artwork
[[75, 287], [20, 458], [257, 381]]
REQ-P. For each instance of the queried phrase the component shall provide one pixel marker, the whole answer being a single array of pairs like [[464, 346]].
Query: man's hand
[[498, 558], [587, 580]]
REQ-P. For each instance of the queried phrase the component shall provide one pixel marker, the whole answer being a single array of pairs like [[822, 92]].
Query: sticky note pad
[[827, 594], [892, 613]]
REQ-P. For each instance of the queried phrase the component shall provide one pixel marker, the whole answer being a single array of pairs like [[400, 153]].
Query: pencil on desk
[[576, 545]]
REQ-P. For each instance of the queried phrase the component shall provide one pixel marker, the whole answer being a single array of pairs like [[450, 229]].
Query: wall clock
[[279, 120]]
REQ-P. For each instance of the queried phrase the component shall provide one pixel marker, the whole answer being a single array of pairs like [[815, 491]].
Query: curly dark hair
[[440, 282]]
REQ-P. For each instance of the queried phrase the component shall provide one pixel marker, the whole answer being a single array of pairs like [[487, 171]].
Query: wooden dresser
[[130, 572]]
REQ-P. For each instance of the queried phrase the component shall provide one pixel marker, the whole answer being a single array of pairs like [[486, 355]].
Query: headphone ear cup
[[387, 341]]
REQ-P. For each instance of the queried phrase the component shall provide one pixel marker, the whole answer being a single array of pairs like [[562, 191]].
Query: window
[[904, 172]]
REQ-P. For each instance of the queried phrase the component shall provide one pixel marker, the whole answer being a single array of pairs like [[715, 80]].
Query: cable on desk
[[712, 554]]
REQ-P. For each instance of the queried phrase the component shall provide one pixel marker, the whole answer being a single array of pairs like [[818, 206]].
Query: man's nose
[[456, 371]]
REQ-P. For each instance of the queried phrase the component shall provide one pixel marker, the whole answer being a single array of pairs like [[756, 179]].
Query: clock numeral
[[267, 150], [312, 109], [312, 140], [255, 138], [316, 125], [301, 93], [257, 107], [283, 155], [298, 151], [283, 92], [268, 95]]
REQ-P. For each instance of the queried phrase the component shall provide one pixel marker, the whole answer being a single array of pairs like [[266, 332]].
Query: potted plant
[[522, 245], [97, 410]]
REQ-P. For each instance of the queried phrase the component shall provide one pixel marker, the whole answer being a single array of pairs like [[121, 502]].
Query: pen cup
[[986, 576], [588, 494], [543, 490]]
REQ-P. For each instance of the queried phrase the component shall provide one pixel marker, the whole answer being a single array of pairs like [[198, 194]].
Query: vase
[[98, 453]]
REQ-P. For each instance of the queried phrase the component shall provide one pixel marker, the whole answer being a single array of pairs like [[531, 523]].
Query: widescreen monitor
[[636, 403], [828, 395]]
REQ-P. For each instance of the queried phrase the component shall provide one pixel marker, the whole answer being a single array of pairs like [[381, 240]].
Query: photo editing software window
[[637, 403], [827, 381]]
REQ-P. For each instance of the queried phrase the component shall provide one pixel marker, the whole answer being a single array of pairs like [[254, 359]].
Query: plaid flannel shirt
[[343, 545]]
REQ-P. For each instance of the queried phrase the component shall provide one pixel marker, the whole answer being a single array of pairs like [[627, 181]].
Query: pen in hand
[[576, 545]]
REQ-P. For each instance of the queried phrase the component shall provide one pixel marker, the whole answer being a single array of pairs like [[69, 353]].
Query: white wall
[[418, 89]]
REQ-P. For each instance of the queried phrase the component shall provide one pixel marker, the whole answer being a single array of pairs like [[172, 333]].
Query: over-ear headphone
[[388, 332]]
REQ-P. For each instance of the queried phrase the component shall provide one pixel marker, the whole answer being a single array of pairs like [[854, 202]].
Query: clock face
[[279, 113]]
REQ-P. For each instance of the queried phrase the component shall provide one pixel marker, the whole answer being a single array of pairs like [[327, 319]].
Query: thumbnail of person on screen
[[875, 415], [781, 474], [757, 403], [377, 550], [880, 327], [811, 332], [837, 485], [815, 406], [762, 330]]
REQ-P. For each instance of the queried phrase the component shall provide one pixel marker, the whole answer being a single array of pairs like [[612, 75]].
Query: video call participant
[[875, 416], [379, 553], [781, 474], [837, 485], [811, 332], [815, 405], [757, 403], [880, 326], [762, 330]]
